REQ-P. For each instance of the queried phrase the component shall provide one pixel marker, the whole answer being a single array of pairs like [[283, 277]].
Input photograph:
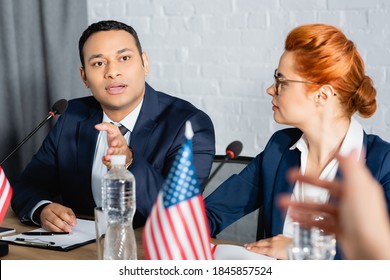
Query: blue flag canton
[[182, 182]]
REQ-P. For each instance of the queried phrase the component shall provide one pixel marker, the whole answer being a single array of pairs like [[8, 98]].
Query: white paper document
[[83, 233], [234, 252]]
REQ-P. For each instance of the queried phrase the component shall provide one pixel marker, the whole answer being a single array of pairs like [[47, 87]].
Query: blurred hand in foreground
[[359, 217]]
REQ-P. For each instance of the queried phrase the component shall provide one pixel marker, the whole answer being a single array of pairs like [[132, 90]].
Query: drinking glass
[[312, 243], [101, 227]]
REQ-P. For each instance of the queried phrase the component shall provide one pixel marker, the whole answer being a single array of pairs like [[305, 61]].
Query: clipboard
[[82, 234]]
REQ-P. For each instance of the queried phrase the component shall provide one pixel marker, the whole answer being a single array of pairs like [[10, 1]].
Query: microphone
[[233, 150], [58, 108]]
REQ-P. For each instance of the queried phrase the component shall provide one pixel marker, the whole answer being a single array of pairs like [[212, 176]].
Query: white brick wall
[[220, 54]]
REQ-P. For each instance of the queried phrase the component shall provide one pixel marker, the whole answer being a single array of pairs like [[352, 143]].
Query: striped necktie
[[123, 129]]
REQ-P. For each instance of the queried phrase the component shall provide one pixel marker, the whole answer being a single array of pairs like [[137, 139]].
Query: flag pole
[[189, 133]]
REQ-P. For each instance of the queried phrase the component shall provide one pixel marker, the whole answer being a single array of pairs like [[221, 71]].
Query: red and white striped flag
[[5, 194], [177, 227]]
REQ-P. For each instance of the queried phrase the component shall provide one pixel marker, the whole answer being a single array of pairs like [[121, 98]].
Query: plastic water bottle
[[119, 204]]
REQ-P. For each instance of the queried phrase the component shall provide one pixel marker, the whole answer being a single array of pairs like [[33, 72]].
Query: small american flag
[[5, 194], [177, 228]]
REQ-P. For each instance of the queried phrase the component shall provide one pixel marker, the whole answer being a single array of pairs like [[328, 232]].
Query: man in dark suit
[[76, 153]]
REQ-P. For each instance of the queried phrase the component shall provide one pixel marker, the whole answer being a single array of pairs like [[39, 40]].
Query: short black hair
[[106, 25]]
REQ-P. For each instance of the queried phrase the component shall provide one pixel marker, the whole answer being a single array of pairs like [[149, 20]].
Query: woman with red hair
[[319, 84]]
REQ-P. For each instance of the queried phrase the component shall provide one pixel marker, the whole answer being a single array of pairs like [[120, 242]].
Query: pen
[[43, 233], [23, 241]]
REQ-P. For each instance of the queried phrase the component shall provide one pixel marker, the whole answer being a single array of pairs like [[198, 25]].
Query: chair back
[[244, 230]]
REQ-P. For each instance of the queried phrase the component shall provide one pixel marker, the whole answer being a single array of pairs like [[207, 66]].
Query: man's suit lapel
[[146, 121], [86, 141]]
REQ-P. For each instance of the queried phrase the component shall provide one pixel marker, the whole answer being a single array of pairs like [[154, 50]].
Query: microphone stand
[[49, 116], [216, 170], [58, 108], [208, 180], [232, 151]]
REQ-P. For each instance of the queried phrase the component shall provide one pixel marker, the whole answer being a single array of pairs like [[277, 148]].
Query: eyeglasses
[[280, 80]]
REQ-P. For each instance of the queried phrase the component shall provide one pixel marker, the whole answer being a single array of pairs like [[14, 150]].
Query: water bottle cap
[[118, 159]]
